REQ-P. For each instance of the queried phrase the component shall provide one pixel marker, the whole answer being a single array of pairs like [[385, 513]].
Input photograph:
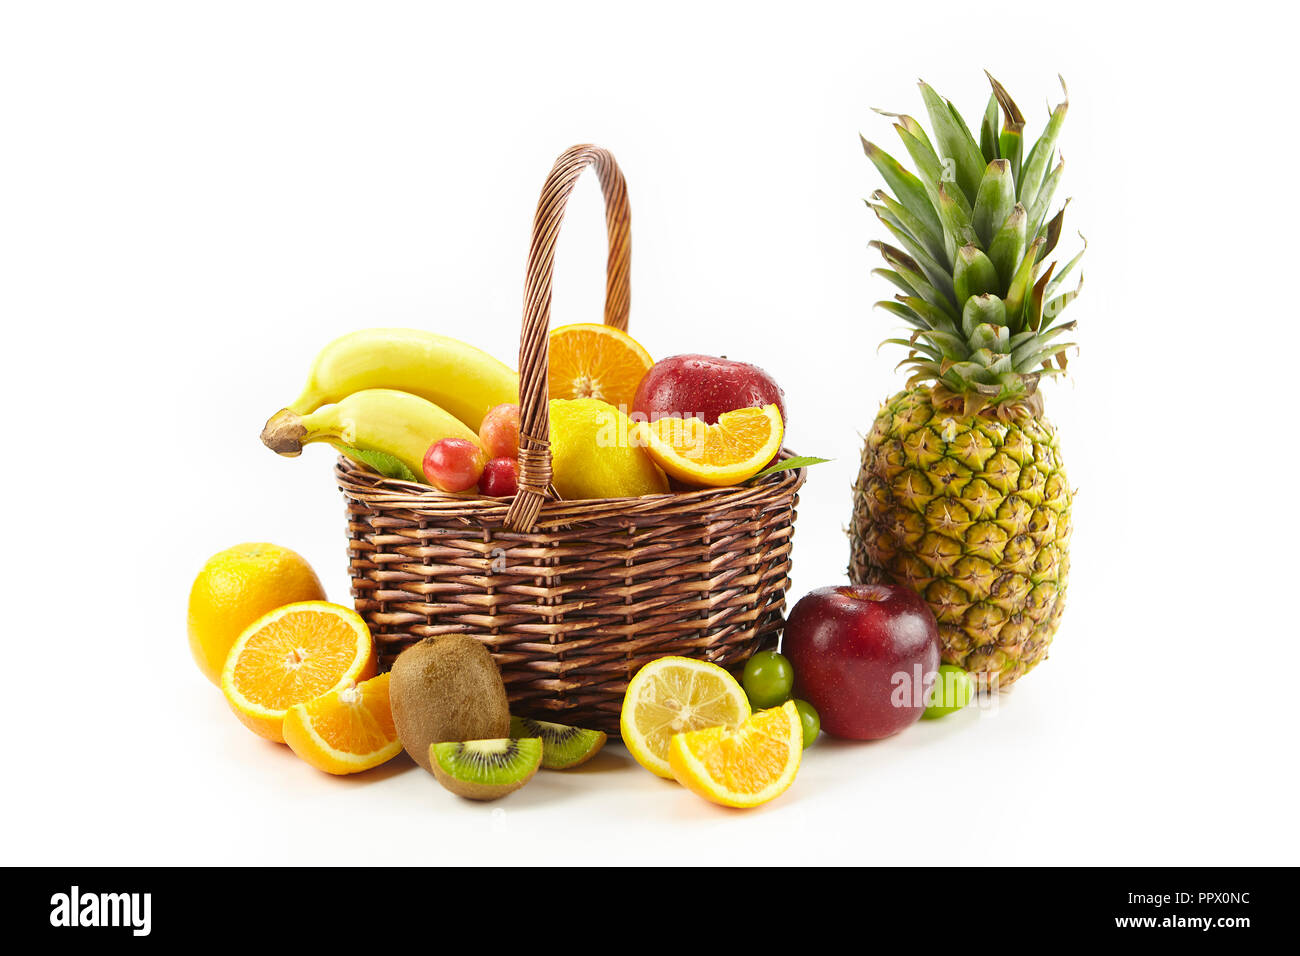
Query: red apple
[[703, 386], [864, 656]]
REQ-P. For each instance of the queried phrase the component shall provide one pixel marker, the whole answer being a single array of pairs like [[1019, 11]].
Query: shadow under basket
[[572, 609], [571, 597]]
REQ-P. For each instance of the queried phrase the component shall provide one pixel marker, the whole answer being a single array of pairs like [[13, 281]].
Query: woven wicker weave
[[571, 597]]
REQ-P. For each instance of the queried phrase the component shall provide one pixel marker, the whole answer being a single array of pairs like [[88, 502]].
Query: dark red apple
[[704, 386], [864, 655]]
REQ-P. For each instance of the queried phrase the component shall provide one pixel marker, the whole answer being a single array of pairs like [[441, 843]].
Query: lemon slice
[[671, 696]]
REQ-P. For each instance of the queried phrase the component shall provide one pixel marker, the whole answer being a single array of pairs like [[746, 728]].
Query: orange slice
[[596, 361], [737, 448], [743, 767], [345, 731], [293, 655]]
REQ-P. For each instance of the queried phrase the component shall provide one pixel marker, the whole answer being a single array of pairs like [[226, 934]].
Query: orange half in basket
[[737, 448], [590, 360]]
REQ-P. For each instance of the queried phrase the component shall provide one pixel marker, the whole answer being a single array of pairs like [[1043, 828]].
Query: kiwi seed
[[446, 689], [486, 769], [563, 747]]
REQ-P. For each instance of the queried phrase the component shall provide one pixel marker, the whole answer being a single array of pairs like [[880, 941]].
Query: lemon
[[594, 453], [673, 695], [234, 589]]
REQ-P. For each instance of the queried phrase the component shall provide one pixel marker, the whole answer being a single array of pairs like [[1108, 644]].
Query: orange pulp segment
[[738, 447], [744, 767], [347, 730], [590, 360]]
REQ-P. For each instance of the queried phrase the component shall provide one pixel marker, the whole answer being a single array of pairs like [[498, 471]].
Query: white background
[[196, 197]]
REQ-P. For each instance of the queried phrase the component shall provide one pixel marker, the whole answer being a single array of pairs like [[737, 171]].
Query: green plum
[[768, 680], [952, 690], [812, 724]]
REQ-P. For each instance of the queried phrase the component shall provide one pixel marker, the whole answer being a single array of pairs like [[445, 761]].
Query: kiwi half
[[563, 747], [446, 689], [486, 769]]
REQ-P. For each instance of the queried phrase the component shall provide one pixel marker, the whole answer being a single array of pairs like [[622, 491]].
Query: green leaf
[[1034, 307], [897, 280], [1031, 175], [915, 345], [921, 231], [955, 143], [974, 275], [1051, 234], [1059, 276], [913, 285], [906, 187], [1056, 306], [928, 166], [993, 337], [1010, 141], [938, 276], [957, 230], [989, 130], [1018, 289], [788, 464], [1008, 245], [379, 461], [982, 310], [901, 311], [1038, 212], [952, 346], [1031, 359], [994, 201], [936, 318]]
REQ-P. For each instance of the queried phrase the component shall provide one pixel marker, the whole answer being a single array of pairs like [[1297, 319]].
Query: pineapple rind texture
[[973, 513]]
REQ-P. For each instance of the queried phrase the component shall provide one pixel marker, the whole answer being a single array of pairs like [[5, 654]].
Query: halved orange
[[346, 730], [293, 655], [590, 360], [737, 448], [744, 767]]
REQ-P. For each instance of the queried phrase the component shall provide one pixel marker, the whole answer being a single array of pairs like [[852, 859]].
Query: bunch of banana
[[383, 396]]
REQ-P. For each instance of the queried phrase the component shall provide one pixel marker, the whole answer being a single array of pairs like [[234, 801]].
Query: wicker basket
[[571, 597]]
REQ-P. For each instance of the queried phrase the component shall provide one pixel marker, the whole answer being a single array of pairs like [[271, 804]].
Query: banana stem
[[284, 433]]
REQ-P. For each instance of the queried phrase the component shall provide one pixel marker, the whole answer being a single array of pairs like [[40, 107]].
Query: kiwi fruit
[[446, 689], [563, 747], [486, 769]]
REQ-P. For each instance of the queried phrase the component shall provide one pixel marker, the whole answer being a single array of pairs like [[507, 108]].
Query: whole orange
[[234, 589]]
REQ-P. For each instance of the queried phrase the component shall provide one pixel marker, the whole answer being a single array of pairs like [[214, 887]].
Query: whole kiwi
[[446, 689]]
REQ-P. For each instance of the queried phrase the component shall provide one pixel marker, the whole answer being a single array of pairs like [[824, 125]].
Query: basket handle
[[534, 360]]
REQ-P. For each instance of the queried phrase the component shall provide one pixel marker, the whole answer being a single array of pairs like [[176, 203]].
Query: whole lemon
[[234, 589], [595, 455]]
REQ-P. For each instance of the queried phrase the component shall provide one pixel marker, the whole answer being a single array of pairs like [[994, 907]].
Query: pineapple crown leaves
[[973, 235]]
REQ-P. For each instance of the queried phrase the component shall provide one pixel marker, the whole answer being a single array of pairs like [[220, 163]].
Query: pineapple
[[962, 495]]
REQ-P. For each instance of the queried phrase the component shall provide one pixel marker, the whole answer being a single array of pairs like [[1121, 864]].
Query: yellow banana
[[385, 429], [464, 380]]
